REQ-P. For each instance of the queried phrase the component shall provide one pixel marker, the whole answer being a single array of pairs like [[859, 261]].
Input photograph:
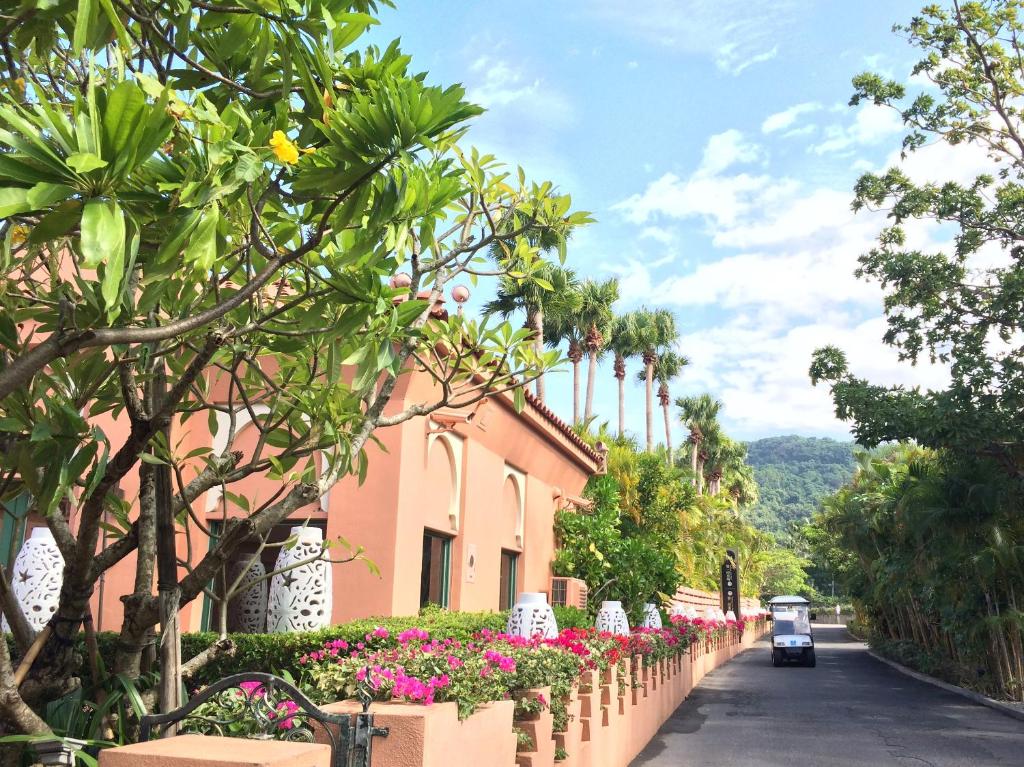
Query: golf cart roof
[[788, 600]]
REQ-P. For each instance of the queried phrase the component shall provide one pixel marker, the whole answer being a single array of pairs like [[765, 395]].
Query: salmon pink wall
[[490, 483]]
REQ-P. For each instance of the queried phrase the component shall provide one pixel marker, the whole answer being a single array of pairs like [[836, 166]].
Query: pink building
[[457, 510]]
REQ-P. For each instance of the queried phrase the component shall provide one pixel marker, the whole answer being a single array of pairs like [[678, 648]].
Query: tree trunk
[[650, 404], [622, 407], [668, 431], [591, 377], [693, 457], [538, 345], [575, 392], [133, 638], [167, 574]]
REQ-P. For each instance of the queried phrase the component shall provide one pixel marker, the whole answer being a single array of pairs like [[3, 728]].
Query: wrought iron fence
[[265, 707]]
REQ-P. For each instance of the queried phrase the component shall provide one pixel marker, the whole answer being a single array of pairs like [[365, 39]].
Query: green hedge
[[276, 653]]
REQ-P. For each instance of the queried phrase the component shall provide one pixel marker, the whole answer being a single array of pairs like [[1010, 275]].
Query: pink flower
[[252, 689]]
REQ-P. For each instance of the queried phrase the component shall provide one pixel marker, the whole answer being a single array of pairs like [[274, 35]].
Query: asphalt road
[[850, 711]]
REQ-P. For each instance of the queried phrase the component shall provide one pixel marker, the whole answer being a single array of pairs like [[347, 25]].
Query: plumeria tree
[[216, 213]]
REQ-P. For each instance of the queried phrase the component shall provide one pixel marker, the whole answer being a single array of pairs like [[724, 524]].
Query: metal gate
[[266, 707]]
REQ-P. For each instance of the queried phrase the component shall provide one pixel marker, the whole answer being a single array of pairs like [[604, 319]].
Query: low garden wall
[[612, 714]]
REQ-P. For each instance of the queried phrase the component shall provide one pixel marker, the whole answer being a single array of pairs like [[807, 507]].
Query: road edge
[[971, 695]]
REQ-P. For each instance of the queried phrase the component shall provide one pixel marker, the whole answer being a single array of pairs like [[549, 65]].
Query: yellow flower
[[283, 147]]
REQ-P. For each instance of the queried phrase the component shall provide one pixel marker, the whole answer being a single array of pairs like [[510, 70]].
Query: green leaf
[[176, 239], [114, 273], [115, 21], [83, 20], [56, 223], [202, 245], [13, 200], [408, 311], [103, 232], [125, 110], [45, 194], [83, 162]]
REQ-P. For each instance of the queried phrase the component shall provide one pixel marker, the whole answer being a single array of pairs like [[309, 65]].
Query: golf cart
[[792, 638]]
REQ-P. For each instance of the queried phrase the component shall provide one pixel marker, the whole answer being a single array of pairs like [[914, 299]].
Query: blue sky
[[712, 141]]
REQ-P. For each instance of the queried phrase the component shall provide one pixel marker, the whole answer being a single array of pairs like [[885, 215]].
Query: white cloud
[[786, 118], [726, 149], [498, 84], [871, 125], [707, 192], [659, 234], [734, 34], [790, 288], [735, 64], [632, 64], [760, 372]]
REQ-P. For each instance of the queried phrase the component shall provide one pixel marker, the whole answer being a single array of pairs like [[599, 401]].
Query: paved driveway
[[850, 711]]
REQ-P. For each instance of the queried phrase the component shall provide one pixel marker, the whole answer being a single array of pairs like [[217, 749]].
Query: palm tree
[[700, 414], [655, 330], [533, 297], [624, 346], [670, 364], [725, 456], [595, 319], [562, 326]]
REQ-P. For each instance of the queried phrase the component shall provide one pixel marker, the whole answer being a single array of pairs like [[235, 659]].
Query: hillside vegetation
[[793, 475]]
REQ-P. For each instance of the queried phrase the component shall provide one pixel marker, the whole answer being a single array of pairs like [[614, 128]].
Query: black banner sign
[[730, 584]]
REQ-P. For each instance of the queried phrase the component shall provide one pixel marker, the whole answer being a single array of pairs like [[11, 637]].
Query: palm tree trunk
[[700, 477], [591, 377], [693, 459], [538, 343], [650, 406], [622, 407], [575, 392], [668, 432]]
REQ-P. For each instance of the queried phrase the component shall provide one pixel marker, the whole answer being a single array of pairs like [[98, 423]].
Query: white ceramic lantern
[[532, 616], [678, 611], [652, 616], [710, 614], [612, 618], [300, 598], [247, 612], [36, 578], [730, 616]]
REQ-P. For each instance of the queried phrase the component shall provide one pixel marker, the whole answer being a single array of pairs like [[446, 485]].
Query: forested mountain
[[793, 474]]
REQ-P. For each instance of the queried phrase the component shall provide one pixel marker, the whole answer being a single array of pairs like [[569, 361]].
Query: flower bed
[[413, 666]]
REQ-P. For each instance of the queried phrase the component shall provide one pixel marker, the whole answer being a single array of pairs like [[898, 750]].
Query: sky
[[713, 143]]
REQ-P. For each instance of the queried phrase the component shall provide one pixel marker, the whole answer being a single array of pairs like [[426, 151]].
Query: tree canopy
[[222, 212], [794, 474], [949, 305]]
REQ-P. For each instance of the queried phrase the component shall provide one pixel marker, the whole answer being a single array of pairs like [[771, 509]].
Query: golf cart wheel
[[809, 659], [776, 658]]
